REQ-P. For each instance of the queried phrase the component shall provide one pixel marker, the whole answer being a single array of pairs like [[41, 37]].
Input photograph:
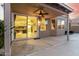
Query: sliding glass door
[[32, 27], [20, 26], [25, 27]]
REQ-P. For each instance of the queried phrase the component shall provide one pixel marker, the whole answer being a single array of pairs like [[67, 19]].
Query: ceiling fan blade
[[36, 10], [40, 11], [45, 13], [40, 8], [44, 10]]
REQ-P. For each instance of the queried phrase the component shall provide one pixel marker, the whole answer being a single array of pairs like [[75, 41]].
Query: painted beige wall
[[56, 32], [62, 31], [75, 27], [45, 33], [49, 31], [24, 9]]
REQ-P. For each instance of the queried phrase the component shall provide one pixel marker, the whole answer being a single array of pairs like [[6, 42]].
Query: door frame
[[12, 18]]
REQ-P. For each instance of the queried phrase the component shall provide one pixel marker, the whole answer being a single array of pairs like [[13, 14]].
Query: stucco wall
[[75, 26], [47, 32], [57, 31], [62, 31], [75, 29], [53, 32]]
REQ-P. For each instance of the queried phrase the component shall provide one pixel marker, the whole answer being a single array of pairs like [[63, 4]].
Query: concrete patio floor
[[49, 46]]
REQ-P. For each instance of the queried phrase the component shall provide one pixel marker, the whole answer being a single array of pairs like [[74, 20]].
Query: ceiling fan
[[41, 12]]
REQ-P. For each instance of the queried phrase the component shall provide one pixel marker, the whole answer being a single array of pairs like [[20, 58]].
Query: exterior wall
[[75, 27], [62, 31], [50, 32], [57, 31], [53, 32], [47, 32]]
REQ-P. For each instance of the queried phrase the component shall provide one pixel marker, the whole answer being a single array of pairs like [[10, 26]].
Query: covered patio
[[49, 46], [27, 10]]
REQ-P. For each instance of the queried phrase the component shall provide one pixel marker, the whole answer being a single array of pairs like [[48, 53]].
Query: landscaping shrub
[[1, 34]]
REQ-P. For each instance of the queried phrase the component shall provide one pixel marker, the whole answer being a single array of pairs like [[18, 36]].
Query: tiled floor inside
[[49, 46]]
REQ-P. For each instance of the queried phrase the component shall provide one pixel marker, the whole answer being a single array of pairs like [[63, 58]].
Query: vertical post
[[38, 28], [7, 38], [12, 26], [67, 27]]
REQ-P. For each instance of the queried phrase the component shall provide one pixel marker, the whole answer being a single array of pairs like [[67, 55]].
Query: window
[[46, 21], [53, 24], [60, 24], [42, 24], [20, 26]]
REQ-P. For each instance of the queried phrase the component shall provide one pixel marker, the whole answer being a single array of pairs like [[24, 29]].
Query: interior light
[[29, 26], [39, 23], [62, 23]]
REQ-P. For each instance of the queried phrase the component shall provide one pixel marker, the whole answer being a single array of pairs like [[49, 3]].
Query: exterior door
[[20, 26], [25, 27], [32, 27]]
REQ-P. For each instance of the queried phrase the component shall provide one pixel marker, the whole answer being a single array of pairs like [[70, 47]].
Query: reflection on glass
[[25, 26], [32, 27], [53, 24], [42, 24], [60, 24], [20, 26]]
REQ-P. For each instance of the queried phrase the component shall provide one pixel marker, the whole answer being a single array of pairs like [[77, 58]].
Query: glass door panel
[[32, 27], [20, 26], [26, 27]]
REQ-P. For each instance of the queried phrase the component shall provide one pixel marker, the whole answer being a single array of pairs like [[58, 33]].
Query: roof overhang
[[25, 8], [61, 7], [65, 6]]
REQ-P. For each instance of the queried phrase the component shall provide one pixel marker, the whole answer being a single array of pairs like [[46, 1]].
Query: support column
[[7, 32], [67, 27], [12, 26]]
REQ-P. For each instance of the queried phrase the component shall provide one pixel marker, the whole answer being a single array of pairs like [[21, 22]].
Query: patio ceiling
[[28, 9]]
